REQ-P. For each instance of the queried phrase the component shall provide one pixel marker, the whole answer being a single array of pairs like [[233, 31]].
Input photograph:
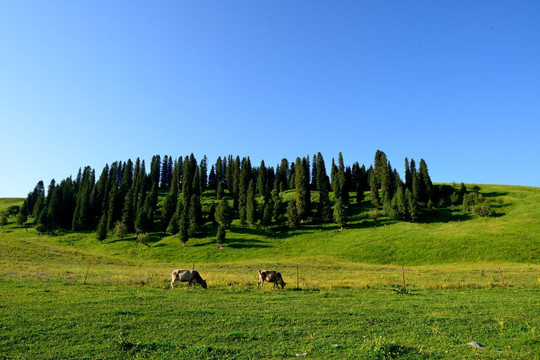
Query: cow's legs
[[172, 282]]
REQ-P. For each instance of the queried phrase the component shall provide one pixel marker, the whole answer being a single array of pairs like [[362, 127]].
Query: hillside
[[440, 237]]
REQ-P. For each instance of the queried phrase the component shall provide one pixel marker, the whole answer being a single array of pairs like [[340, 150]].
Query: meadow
[[67, 295]]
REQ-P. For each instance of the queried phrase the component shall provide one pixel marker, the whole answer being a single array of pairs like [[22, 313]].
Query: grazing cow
[[272, 277], [192, 277]]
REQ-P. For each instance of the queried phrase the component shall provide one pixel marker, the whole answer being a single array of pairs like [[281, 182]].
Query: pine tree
[[221, 233], [113, 213], [412, 205], [184, 226], [339, 214], [401, 203], [373, 189], [251, 205], [408, 175], [128, 213], [425, 181], [292, 215], [195, 215], [212, 179], [262, 182], [267, 215], [224, 213], [276, 204], [301, 191], [102, 228], [155, 170], [203, 173]]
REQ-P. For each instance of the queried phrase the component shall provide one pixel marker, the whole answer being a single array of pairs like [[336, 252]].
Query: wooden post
[[193, 267], [86, 276], [297, 282], [502, 279], [403, 275]]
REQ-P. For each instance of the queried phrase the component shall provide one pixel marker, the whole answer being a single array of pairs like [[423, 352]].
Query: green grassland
[[349, 305]]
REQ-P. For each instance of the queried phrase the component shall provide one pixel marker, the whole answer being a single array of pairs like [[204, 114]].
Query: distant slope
[[511, 236]]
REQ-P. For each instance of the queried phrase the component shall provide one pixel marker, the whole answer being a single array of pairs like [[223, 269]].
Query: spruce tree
[[221, 233], [224, 213], [301, 191], [412, 205], [203, 173], [276, 204], [128, 213], [102, 228], [339, 214], [212, 179], [251, 205], [195, 215], [373, 189], [292, 215], [267, 215]]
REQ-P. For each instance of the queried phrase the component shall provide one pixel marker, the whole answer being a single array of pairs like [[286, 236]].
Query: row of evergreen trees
[[126, 194]]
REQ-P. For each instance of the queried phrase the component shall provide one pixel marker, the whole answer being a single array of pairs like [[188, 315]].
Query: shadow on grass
[[236, 243]]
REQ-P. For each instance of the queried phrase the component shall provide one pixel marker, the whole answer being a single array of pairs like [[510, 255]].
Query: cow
[[192, 277], [272, 277]]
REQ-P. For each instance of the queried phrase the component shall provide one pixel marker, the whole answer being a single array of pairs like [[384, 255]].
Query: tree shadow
[[238, 243]]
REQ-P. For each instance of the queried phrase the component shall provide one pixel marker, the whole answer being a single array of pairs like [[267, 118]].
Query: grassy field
[[349, 305]]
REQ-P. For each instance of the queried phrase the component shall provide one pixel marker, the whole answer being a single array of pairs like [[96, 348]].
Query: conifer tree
[[212, 179], [102, 228], [408, 175], [283, 175], [224, 213], [165, 173], [425, 182], [197, 184], [203, 173], [401, 203], [301, 191], [236, 184], [276, 204], [113, 213], [251, 205], [221, 234], [412, 205], [373, 189], [267, 215], [184, 226], [195, 215], [262, 182], [128, 213], [339, 214], [155, 170], [292, 215]]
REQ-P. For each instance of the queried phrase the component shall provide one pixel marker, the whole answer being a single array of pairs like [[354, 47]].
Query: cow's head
[[282, 283], [203, 284]]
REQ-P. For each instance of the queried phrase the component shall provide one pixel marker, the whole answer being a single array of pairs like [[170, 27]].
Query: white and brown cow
[[270, 276], [192, 277]]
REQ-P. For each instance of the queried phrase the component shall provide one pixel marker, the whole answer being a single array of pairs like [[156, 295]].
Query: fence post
[[403, 275], [502, 279], [297, 282], [86, 276], [193, 266]]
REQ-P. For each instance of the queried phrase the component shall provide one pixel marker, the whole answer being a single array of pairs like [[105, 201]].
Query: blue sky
[[456, 83]]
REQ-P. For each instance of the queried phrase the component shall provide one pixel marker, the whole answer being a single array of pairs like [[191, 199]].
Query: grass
[[62, 319], [350, 305]]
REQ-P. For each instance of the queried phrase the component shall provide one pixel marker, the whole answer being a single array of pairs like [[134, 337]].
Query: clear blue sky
[[91, 82]]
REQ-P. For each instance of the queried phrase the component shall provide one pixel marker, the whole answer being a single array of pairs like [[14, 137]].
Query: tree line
[[127, 199]]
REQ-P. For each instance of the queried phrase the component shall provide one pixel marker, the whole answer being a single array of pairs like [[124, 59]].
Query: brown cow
[[192, 277], [270, 276]]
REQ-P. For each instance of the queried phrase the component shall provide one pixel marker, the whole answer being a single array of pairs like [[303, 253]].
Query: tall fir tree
[[300, 190], [251, 205]]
